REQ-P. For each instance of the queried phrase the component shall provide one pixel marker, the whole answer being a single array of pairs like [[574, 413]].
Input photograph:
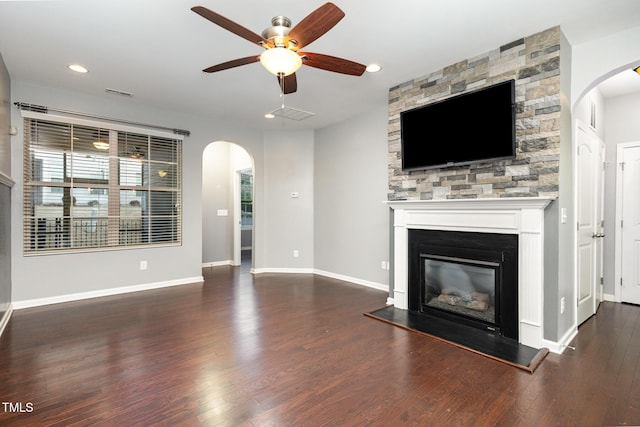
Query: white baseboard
[[560, 346], [609, 297], [17, 305], [5, 318], [283, 270], [217, 263], [355, 280]]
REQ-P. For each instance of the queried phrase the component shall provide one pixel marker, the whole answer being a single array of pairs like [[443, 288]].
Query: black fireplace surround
[[479, 285]]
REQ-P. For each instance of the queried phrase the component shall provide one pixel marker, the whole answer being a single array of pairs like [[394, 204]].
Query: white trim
[[5, 319], [217, 263], [515, 203], [560, 346], [237, 219], [617, 270], [17, 305], [349, 279], [609, 297], [283, 270], [6, 180], [354, 280]]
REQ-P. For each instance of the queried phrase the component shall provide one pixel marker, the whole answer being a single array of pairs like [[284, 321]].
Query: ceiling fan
[[282, 43]]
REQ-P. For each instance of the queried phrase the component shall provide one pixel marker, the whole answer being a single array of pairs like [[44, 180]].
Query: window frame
[[171, 192]]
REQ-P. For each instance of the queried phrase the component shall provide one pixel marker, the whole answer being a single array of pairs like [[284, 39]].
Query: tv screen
[[473, 127]]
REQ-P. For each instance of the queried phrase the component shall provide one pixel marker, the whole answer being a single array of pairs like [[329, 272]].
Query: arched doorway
[[227, 205], [593, 113]]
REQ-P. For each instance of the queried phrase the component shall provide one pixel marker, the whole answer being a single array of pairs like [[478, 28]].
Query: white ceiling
[[156, 49]]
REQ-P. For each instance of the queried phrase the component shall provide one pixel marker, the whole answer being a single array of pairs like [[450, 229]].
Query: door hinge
[[622, 166], [602, 280]]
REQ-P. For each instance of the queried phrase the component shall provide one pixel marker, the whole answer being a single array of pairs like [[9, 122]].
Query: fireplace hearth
[[465, 277]]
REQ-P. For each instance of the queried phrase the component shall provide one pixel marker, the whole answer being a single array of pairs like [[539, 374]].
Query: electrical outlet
[[143, 265], [562, 305], [383, 265], [296, 254]]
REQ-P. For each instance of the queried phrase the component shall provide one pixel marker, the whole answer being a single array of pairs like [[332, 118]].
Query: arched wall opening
[[227, 205], [613, 121]]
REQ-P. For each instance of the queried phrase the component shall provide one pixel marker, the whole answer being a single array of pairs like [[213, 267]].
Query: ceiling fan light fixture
[[280, 61]]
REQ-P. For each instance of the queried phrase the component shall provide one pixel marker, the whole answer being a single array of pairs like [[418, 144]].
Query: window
[[89, 187], [246, 198]]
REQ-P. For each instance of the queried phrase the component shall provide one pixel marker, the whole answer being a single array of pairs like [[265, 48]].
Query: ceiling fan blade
[[316, 24], [288, 84], [332, 63], [233, 63], [229, 25]]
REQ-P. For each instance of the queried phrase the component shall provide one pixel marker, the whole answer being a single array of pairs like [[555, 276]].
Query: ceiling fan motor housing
[[277, 32]]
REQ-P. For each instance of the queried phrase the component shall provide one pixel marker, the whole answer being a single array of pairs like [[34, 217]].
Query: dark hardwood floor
[[293, 350]]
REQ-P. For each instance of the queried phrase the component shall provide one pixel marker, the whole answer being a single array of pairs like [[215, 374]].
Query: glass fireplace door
[[460, 286]]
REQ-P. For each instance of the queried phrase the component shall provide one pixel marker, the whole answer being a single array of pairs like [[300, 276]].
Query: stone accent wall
[[534, 63]]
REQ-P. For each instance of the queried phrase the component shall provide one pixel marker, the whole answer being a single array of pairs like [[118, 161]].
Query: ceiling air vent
[[292, 113]]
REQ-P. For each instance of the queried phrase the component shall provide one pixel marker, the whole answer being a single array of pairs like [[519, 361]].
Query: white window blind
[[94, 186]]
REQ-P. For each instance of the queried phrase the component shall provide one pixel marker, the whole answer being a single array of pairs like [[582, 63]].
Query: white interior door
[[630, 289], [589, 198]]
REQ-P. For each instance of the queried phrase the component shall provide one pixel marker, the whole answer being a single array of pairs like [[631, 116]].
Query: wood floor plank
[[294, 350]]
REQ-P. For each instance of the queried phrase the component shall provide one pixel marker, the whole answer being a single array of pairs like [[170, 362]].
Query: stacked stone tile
[[534, 63]]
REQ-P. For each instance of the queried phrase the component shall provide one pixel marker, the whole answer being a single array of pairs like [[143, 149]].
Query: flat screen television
[[477, 126]]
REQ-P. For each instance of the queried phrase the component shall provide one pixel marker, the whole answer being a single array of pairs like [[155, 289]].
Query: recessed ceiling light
[[373, 68], [78, 68], [269, 116]]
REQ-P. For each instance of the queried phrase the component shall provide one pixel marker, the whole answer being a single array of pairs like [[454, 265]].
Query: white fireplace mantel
[[523, 216]]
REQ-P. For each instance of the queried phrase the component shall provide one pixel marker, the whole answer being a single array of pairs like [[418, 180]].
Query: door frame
[[237, 221], [618, 218]]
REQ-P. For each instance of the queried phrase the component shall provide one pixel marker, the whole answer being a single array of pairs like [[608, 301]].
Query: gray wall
[[350, 180], [561, 247], [5, 119], [217, 190], [5, 191], [289, 220]]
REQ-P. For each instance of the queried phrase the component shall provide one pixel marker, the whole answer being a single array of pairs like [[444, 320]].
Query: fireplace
[[521, 218], [466, 277]]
